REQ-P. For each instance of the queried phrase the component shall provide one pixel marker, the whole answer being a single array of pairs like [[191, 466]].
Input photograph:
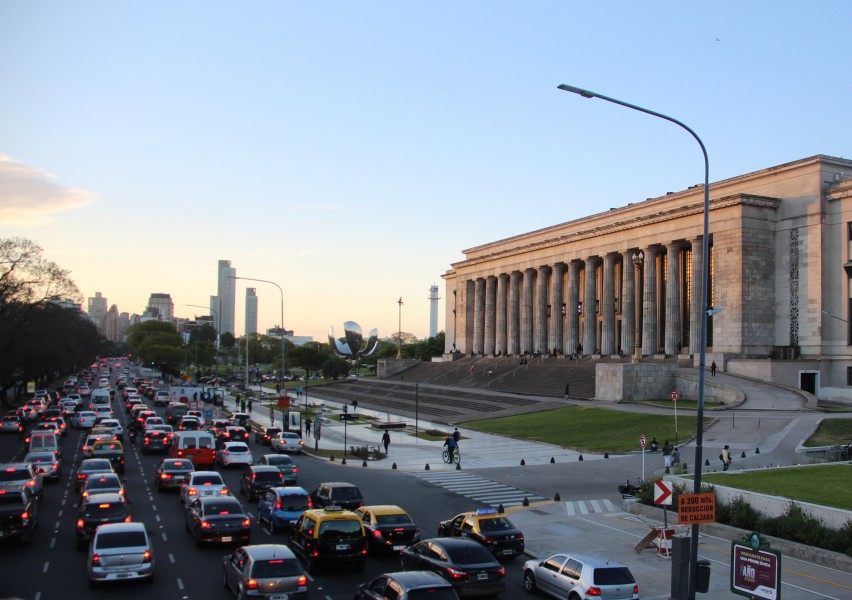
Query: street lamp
[[215, 314], [637, 306], [705, 258], [399, 333], [282, 317]]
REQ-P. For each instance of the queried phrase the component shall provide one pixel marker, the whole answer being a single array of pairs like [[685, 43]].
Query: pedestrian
[[278, 388], [725, 457], [386, 440], [713, 368], [667, 455], [654, 445], [354, 406], [456, 435], [249, 405], [307, 426], [242, 406], [675, 456], [567, 390], [195, 396]]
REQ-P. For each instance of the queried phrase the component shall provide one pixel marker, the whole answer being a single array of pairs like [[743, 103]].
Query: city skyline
[[351, 153]]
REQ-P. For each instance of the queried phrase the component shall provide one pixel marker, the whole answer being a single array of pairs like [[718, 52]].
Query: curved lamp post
[[283, 371], [699, 436]]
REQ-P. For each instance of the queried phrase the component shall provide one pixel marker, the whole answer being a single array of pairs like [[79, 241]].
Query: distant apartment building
[[123, 325], [97, 310], [226, 297], [251, 311], [112, 325], [165, 306]]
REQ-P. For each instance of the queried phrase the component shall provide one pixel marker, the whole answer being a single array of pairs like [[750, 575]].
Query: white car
[[287, 441], [234, 453], [152, 421], [120, 551], [103, 411], [76, 398], [84, 419], [200, 484], [115, 425]]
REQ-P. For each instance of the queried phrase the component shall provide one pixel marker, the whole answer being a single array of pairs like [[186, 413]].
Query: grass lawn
[[826, 485], [685, 404], [831, 432], [590, 429]]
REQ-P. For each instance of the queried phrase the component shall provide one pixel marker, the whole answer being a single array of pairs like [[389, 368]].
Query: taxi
[[489, 528], [389, 527], [329, 536]]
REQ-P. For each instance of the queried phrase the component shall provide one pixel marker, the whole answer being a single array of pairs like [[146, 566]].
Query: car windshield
[[104, 510], [39, 457], [278, 460], [289, 436], [498, 524], [346, 493], [433, 594], [294, 502], [401, 519], [207, 480], [122, 539], [238, 448], [268, 476], [613, 576], [13, 474], [341, 528], [275, 568], [223, 507], [100, 464], [469, 554], [178, 466]]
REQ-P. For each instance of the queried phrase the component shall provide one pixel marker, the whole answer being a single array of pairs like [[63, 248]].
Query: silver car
[[120, 551], [264, 571], [577, 576]]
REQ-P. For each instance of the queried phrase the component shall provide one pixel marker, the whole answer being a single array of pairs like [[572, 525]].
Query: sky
[[351, 151]]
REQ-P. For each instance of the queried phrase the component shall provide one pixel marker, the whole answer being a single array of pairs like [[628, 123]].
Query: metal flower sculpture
[[354, 346]]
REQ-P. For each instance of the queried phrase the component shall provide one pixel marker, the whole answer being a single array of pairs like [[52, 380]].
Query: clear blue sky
[[351, 150]]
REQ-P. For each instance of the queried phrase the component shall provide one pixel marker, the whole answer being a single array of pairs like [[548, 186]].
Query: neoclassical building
[[628, 280]]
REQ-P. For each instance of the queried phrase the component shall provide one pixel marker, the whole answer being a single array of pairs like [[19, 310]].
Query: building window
[[848, 375]]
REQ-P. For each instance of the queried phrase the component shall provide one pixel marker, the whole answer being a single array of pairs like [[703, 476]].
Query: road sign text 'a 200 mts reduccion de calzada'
[[693, 509]]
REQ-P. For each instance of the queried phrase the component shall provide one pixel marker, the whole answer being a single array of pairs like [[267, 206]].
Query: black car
[[232, 433], [337, 493], [218, 519], [18, 513], [407, 585], [466, 564], [172, 472], [156, 441], [256, 479], [97, 509], [264, 435]]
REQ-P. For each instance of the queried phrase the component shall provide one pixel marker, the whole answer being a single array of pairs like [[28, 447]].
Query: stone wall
[[388, 367], [622, 382]]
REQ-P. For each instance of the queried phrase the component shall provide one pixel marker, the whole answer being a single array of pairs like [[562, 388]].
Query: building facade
[[163, 303], [97, 310], [629, 280], [251, 311], [226, 297]]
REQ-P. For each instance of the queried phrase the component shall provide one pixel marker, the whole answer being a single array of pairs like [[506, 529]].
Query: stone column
[[608, 306], [479, 317], [673, 333], [541, 310], [556, 300], [628, 318], [527, 312], [697, 295], [590, 315], [572, 339], [490, 315], [502, 284], [468, 306], [649, 302], [514, 311]]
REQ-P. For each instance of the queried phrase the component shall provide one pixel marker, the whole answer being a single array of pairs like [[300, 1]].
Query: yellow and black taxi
[[329, 536], [389, 528], [489, 528]]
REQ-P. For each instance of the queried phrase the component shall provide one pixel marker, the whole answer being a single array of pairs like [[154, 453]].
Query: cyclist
[[452, 447]]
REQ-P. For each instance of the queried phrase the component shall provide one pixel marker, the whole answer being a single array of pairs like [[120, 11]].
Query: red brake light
[[454, 574], [165, 476], [25, 515], [146, 556], [593, 591], [377, 534], [205, 525], [80, 524], [251, 584], [303, 581], [96, 560], [636, 590]]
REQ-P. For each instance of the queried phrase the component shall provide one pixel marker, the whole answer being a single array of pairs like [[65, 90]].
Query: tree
[[227, 340], [335, 368], [27, 278], [311, 356], [158, 343]]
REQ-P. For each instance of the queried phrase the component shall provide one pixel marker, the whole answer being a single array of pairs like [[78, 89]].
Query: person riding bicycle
[[452, 447], [131, 434]]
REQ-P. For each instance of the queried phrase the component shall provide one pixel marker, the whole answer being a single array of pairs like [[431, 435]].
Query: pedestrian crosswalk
[[588, 507], [479, 488]]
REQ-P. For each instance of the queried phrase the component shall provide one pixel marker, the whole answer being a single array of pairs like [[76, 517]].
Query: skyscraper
[[251, 311], [112, 330], [97, 310], [227, 297], [165, 304]]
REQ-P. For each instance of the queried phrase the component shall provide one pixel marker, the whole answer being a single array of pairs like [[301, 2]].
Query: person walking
[[249, 405], [726, 458], [713, 368], [386, 440], [451, 445], [667, 455], [456, 435], [307, 426], [567, 390]]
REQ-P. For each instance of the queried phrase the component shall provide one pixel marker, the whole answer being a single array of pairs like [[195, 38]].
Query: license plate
[[482, 576], [227, 538], [279, 597], [398, 547], [123, 575], [342, 547], [508, 551]]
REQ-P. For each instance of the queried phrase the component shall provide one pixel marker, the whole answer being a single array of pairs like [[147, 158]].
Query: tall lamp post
[[282, 317], [705, 259], [399, 333]]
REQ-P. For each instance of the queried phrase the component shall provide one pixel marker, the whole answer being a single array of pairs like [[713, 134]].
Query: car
[[97, 509], [162, 398], [577, 576], [132, 402], [115, 426], [466, 564], [188, 423], [256, 479], [47, 426], [69, 407], [217, 519], [76, 398], [91, 466], [175, 412], [103, 411], [337, 493], [241, 419], [11, 424], [46, 464], [203, 483], [265, 571], [284, 464], [103, 483], [89, 442], [389, 528], [28, 414], [287, 441], [121, 551], [488, 527], [264, 435], [172, 472], [20, 474], [84, 390], [407, 585], [231, 433], [44, 441], [152, 421], [280, 506], [156, 441], [85, 419], [19, 510], [112, 450], [233, 453], [329, 536]]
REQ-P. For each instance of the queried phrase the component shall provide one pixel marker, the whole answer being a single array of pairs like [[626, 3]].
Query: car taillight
[[254, 475], [205, 525], [247, 522], [501, 571], [127, 519], [593, 591], [278, 504], [454, 574], [25, 515], [192, 492], [224, 492], [165, 476], [377, 534], [636, 590], [85, 494], [96, 560], [80, 524], [295, 470], [251, 584], [31, 483], [146, 556]]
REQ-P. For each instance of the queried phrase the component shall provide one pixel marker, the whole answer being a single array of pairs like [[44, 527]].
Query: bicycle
[[455, 458]]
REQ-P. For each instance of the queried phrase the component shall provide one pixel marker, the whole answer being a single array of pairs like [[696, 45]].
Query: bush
[[367, 452], [742, 515]]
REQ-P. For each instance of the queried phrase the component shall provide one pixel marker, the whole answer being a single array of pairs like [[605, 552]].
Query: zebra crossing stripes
[[479, 488], [586, 507]]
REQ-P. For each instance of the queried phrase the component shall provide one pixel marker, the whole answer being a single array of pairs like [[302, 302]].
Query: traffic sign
[[215, 414], [693, 509], [662, 492], [675, 396], [642, 440], [209, 414]]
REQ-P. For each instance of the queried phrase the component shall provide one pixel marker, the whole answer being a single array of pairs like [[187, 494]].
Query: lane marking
[[180, 584], [46, 565], [171, 558]]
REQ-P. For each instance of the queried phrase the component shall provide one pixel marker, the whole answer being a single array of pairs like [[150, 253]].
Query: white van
[[99, 397], [45, 442]]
